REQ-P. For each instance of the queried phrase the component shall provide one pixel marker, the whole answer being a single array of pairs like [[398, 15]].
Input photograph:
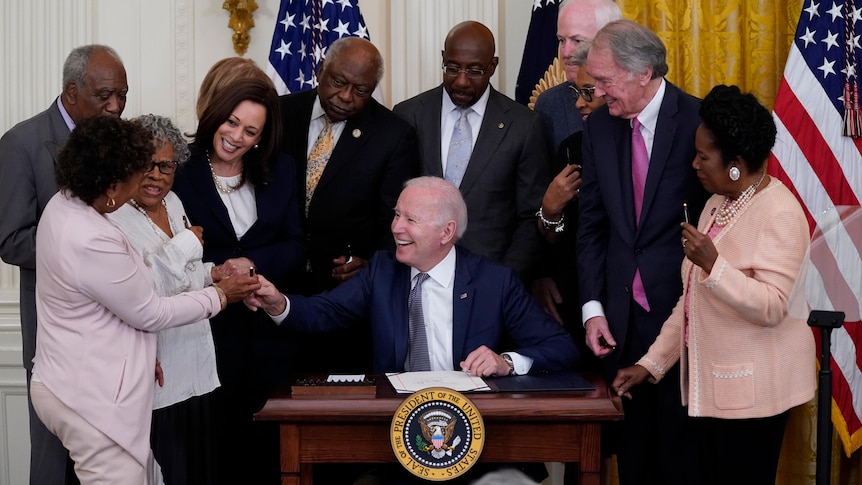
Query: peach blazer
[[746, 357], [97, 314]]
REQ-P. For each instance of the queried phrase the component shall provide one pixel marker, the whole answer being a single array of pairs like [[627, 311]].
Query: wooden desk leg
[[589, 468], [290, 469]]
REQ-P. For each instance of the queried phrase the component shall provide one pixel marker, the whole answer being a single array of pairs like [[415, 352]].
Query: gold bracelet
[[222, 298]]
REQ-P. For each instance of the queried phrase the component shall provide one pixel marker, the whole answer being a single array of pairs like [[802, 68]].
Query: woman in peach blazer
[[744, 361]]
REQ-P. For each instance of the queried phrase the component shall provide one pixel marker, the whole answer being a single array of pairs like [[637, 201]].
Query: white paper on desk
[[409, 382], [345, 378]]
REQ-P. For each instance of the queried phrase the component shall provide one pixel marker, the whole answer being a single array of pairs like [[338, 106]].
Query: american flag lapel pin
[[463, 296]]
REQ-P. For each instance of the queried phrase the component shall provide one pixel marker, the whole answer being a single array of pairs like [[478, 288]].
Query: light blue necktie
[[460, 148], [417, 353]]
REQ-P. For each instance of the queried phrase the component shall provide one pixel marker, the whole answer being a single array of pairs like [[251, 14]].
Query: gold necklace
[[219, 186], [732, 206]]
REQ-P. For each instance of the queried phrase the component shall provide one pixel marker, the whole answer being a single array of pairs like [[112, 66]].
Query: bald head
[[469, 47]]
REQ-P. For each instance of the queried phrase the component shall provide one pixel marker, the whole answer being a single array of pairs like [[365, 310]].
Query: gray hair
[[450, 204], [164, 131], [634, 47], [606, 11], [75, 67], [508, 476], [340, 44], [579, 57]]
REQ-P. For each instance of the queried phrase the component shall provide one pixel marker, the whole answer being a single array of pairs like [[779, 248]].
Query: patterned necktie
[[417, 353], [317, 160], [460, 148], [640, 167]]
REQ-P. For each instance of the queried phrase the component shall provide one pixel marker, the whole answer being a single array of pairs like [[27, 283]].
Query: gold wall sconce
[[241, 21]]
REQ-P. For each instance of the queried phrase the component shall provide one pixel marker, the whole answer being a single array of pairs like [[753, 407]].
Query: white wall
[[167, 47]]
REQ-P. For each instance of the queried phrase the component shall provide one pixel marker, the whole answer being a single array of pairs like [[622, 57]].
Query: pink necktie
[[640, 166]]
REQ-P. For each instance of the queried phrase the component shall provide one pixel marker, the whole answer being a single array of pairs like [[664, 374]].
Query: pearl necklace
[[219, 186], [159, 232], [732, 206]]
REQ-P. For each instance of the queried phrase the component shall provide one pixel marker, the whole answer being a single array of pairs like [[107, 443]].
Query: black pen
[[685, 213], [186, 222], [349, 255]]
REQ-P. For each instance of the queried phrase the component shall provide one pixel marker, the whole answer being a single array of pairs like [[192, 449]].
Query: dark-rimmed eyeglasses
[[586, 93], [472, 73], [166, 167]]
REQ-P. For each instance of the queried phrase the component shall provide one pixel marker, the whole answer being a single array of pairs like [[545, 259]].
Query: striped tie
[[417, 353]]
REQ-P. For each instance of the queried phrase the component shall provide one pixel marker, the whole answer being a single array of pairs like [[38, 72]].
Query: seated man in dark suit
[[433, 305], [458, 315]]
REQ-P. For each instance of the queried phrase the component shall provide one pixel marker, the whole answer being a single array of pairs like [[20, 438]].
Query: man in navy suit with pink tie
[[637, 172]]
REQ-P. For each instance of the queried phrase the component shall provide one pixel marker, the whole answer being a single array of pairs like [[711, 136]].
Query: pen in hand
[[186, 222], [685, 213]]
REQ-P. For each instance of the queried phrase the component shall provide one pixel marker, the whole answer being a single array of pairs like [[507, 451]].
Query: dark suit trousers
[[654, 443]]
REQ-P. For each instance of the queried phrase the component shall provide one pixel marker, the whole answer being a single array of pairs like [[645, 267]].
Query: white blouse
[[186, 353]]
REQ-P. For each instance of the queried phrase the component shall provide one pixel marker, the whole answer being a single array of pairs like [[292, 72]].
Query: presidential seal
[[437, 434]]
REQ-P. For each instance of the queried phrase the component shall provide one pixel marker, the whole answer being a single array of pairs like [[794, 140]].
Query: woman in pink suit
[[744, 360], [97, 310]]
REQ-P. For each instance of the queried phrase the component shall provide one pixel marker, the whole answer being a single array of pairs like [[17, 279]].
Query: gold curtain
[[742, 42]]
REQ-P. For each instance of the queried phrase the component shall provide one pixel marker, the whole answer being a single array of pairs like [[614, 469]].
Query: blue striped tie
[[417, 352]]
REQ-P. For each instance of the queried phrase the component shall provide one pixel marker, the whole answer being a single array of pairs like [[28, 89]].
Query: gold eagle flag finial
[[241, 21]]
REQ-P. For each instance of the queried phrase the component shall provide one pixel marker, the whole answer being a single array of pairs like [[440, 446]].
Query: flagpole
[[825, 321]]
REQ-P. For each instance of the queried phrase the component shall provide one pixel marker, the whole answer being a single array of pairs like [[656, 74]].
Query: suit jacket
[[505, 179], [248, 353], [27, 182], [746, 356], [98, 318], [556, 105], [352, 204], [496, 305], [610, 245]]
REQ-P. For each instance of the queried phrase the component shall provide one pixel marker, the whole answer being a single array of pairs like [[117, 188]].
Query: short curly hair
[[164, 131], [739, 124], [100, 152]]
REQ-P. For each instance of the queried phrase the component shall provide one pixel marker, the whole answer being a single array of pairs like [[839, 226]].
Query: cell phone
[[685, 213], [251, 271]]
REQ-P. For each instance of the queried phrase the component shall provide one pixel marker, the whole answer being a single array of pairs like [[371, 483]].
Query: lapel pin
[[357, 133], [501, 125], [463, 296]]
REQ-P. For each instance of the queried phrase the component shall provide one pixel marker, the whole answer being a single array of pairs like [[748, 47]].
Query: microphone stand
[[825, 321]]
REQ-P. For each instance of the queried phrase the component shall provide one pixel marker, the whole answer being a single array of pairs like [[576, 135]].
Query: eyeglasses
[[472, 73], [586, 93], [166, 167]]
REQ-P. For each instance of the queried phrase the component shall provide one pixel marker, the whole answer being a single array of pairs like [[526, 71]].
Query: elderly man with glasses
[[490, 147]]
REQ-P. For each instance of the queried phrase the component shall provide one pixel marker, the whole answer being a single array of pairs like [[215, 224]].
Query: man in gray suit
[[492, 148], [94, 84]]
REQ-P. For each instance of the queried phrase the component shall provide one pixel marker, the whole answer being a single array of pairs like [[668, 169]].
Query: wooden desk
[[519, 427]]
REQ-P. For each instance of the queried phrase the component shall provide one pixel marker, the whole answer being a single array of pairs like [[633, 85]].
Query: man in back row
[[94, 84], [486, 144]]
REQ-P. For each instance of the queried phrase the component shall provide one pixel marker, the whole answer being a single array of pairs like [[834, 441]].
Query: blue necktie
[[417, 353], [460, 148]]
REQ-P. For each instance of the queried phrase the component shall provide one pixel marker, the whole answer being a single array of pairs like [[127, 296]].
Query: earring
[[734, 173], [255, 147], [111, 203]]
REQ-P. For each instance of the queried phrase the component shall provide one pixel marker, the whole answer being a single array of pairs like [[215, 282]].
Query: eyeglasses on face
[[166, 167], [586, 93], [472, 73]]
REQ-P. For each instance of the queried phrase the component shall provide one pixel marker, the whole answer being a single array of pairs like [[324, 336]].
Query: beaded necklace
[[732, 206], [219, 186], [159, 232]]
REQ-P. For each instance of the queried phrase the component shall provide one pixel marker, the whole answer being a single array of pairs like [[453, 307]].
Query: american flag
[[818, 155], [303, 31], [540, 48]]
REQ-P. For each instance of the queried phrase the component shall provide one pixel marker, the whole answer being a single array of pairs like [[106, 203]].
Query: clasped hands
[[237, 278]]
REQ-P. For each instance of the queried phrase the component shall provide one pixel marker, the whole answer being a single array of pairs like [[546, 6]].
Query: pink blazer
[[97, 312], [746, 357]]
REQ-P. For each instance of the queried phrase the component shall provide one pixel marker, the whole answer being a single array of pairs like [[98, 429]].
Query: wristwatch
[[556, 226], [508, 360]]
